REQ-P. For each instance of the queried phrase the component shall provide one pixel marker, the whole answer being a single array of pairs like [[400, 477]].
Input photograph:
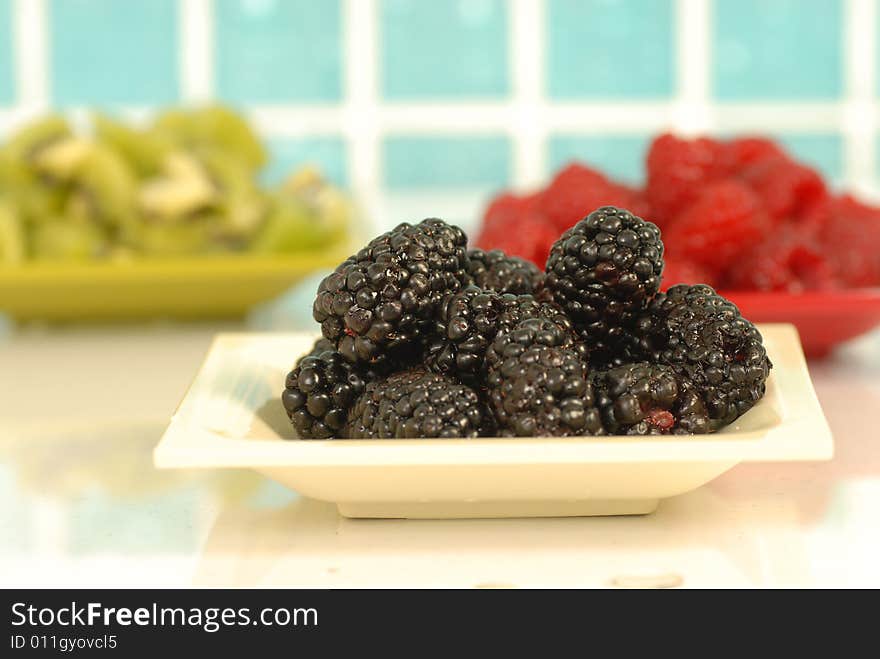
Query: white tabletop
[[80, 503]]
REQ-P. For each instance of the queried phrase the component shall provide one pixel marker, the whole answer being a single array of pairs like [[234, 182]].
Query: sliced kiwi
[[144, 150], [33, 198], [107, 181], [291, 226], [61, 159], [186, 184], [216, 126], [61, 239], [241, 205], [36, 135], [182, 190]]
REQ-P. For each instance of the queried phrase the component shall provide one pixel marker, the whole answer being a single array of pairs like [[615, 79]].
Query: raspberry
[[787, 189], [677, 169], [528, 237], [639, 203], [683, 271], [577, 190], [724, 222], [505, 211], [789, 260], [740, 153], [851, 238]]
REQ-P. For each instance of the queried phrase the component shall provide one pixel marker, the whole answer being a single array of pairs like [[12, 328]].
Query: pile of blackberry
[[424, 338]]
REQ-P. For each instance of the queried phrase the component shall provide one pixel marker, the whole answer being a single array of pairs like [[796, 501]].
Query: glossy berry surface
[[649, 399], [417, 403], [386, 295]]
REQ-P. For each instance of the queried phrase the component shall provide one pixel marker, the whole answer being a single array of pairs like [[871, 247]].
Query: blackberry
[[649, 399], [320, 391], [386, 295], [703, 337], [494, 270], [466, 324], [417, 403], [470, 320], [539, 387], [606, 267]]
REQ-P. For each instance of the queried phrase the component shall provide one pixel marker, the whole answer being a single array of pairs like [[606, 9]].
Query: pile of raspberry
[[741, 214]]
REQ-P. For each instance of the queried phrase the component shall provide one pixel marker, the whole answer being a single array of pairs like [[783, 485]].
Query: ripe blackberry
[[417, 403], [539, 387], [703, 337], [649, 399], [386, 295], [605, 267], [320, 391], [466, 324], [493, 270], [469, 321]]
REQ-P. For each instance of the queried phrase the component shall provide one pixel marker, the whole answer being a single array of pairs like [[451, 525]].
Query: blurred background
[[170, 161], [401, 99], [173, 128]]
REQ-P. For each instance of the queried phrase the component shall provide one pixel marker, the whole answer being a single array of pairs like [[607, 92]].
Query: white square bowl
[[232, 417]]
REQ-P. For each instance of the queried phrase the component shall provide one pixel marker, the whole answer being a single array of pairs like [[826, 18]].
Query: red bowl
[[823, 318]]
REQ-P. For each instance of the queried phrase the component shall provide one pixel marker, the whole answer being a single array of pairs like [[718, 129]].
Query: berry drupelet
[[386, 295], [539, 387], [648, 399], [605, 267], [417, 403], [703, 337], [493, 270]]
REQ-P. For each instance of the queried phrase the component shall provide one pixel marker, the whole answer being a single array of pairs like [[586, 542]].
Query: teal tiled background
[[269, 51], [291, 55], [610, 49], [777, 49], [449, 49], [113, 53], [620, 156], [7, 86], [446, 162]]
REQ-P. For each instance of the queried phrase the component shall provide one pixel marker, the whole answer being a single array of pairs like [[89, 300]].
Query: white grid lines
[[526, 60], [858, 120], [527, 116], [30, 27], [361, 106], [693, 113], [196, 50]]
